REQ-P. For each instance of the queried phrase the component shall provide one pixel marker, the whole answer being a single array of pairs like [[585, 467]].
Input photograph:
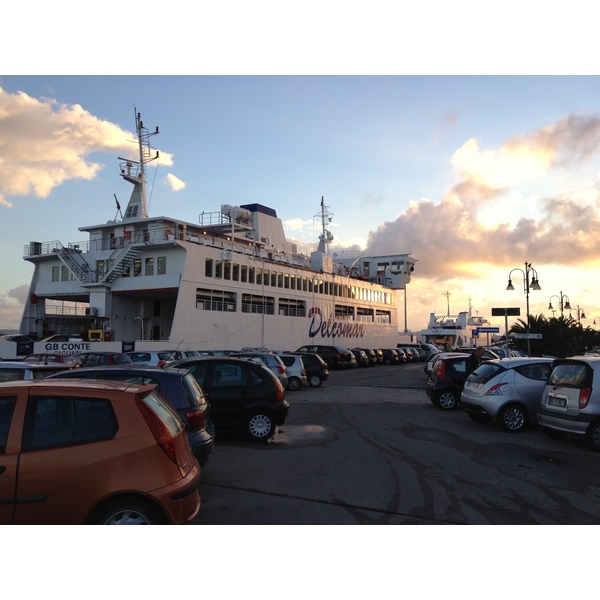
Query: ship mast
[[326, 236], [135, 171]]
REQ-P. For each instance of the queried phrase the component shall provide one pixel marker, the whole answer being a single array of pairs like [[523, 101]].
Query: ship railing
[[41, 248]]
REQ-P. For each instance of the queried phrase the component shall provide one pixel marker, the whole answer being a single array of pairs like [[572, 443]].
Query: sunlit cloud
[[44, 144], [487, 217], [174, 182]]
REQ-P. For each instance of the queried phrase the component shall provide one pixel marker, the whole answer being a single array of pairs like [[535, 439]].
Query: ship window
[[208, 267], [137, 267], [149, 267], [218, 269], [280, 280], [258, 276], [273, 278], [226, 270], [344, 312], [244, 274], [215, 300], [250, 274], [252, 303], [161, 265], [55, 273], [64, 274], [235, 275], [267, 277], [292, 282], [383, 316], [364, 314], [289, 307], [305, 284], [286, 281]]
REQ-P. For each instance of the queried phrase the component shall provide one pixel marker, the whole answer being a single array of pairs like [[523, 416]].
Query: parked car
[[336, 357], [403, 357], [150, 358], [411, 354], [16, 337], [502, 352], [316, 368], [28, 371], [508, 390], [91, 359], [371, 355], [390, 356], [434, 358], [179, 354], [83, 452], [570, 402], [362, 360], [271, 360], [446, 381], [426, 347], [64, 337], [244, 395], [295, 371], [68, 359], [379, 355], [177, 386]]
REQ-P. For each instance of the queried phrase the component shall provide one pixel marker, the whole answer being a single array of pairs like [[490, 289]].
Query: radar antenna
[[326, 237], [135, 171]]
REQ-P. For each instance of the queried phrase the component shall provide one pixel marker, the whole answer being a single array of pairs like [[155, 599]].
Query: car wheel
[[294, 384], [593, 436], [479, 418], [129, 512], [260, 425], [447, 400], [554, 434], [513, 418], [315, 380]]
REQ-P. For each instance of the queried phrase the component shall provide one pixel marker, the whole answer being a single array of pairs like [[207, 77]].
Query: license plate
[[554, 401]]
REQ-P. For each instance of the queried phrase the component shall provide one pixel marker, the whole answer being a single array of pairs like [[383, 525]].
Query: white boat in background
[[453, 331], [230, 281]]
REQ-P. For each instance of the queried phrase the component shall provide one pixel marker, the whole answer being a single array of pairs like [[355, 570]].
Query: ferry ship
[[230, 281], [454, 331]]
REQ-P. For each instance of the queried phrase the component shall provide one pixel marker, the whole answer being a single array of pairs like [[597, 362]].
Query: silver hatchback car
[[508, 390], [271, 360], [571, 400]]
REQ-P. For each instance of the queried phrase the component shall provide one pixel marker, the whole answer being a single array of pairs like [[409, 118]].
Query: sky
[[474, 175]]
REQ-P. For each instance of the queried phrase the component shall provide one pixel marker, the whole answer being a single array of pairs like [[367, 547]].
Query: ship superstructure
[[229, 281]]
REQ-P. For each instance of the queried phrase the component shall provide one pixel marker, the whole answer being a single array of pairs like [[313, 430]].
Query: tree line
[[561, 336]]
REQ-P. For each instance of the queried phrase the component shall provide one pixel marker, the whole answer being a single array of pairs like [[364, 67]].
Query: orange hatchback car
[[93, 452]]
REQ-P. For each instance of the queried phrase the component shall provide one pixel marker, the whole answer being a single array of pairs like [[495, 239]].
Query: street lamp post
[[563, 305], [528, 284], [580, 314]]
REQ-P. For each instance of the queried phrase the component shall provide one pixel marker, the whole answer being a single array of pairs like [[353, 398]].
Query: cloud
[[44, 144], [451, 238], [11, 307], [174, 182]]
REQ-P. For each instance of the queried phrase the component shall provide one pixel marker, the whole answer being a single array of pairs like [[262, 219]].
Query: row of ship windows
[[220, 300], [224, 269], [148, 267]]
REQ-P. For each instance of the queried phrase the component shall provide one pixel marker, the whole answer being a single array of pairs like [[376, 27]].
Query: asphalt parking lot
[[368, 447]]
